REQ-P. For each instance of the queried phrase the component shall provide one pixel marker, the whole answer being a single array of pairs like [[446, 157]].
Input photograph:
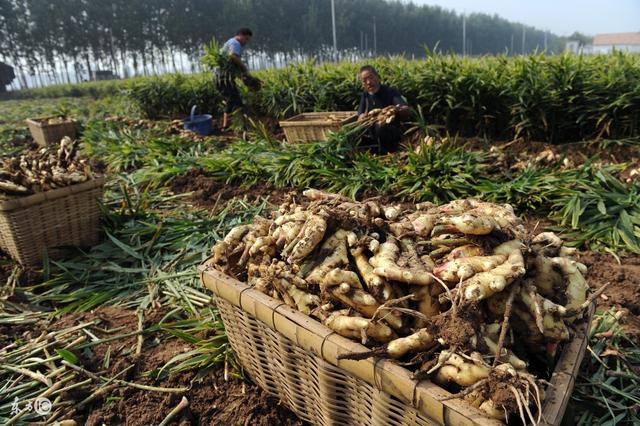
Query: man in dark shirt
[[375, 96]]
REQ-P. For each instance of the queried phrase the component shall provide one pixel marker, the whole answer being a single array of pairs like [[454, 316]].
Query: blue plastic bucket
[[201, 124]]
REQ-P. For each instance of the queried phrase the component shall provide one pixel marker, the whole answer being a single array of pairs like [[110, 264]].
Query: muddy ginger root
[[384, 263], [299, 299], [376, 285], [478, 400], [423, 224], [577, 286], [466, 267], [556, 331], [336, 245], [338, 276], [461, 371], [467, 250], [316, 194], [286, 233], [355, 298], [545, 276], [354, 327], [419, 341], [299, 215], [392, 212], [471, 224], [428, 303], [310, 236], [264, 244], [231, 241], [485, 284], [516, 362]]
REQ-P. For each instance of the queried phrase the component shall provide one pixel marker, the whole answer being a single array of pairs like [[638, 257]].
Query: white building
[[606, 43]]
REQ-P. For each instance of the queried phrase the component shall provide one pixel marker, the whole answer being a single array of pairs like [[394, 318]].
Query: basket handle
[[193, 111]]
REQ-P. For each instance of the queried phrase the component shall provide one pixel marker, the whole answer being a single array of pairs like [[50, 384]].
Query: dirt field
[[213, 399], [220, 396]]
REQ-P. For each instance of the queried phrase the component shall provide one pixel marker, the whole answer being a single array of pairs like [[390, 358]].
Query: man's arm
[[397, 99], [402, 109], [362, 108], [236, 59]]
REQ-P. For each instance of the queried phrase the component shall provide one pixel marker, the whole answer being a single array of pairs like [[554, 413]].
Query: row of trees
[[75, 37]]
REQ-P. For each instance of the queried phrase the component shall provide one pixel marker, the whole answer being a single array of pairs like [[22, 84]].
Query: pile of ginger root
[[460, 293]]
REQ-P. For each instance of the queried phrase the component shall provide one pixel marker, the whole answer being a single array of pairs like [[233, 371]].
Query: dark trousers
[[230, 94], [383, 138]]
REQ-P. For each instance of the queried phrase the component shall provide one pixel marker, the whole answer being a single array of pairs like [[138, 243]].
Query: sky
[[561, 17]]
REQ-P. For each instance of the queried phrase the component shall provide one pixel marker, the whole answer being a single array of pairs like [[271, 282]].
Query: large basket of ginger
[[49, 201], [409, 314]]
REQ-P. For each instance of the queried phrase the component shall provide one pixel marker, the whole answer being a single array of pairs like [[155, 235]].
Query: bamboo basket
[[46, 134], [50, 221], [314, 126], [294, 357]]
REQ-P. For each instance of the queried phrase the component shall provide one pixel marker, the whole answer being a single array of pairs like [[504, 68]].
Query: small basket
[[294, 357], [313, 126], [46, 134], [51, 220]]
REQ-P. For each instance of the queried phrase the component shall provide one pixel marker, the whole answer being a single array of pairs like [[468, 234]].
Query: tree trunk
[[173, 61], [144, 63], [54, 76], [123, 58], [38, 75], [21, 75], [64, 76], [165, 62], [76, 69], [66, 70], [135, 64], [153, 62], [86, 57], [181, 61], [114, 61]]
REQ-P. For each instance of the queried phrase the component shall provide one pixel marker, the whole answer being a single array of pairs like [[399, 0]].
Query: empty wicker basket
[[294, 357], [314, 126], [45, 133], [50, 220]]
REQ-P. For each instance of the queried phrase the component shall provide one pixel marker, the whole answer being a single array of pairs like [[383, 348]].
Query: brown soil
[[624, 288], [212, 399], [499, 385], [458, 330], [208, 193]]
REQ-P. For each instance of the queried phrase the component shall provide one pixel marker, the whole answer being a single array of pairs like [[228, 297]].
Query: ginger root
[[384, 263], [309, 237], [336, 245], [485, 284], [419, 341], [458, 370], [354, 327]]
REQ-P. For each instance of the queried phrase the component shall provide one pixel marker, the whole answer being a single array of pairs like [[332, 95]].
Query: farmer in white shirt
[[226, 83]]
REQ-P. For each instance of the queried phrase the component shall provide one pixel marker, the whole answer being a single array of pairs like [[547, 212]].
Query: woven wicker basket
[[50, 220], [294, 357], [314, 126], [46, 134]]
